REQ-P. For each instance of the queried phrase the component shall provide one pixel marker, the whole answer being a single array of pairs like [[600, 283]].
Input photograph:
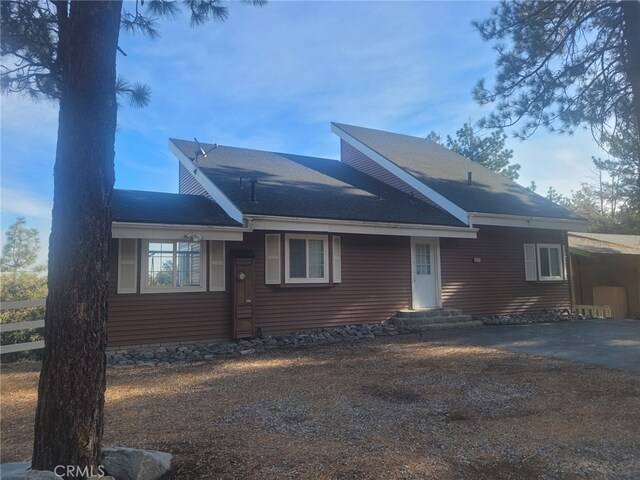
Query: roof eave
[[174, 231], [269, 222], [525, 221]]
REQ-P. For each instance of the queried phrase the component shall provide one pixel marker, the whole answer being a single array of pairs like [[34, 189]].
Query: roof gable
[[446, 173]]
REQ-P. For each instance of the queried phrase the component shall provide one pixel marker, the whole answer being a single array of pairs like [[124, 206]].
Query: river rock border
[[166, 355], [527, 318]]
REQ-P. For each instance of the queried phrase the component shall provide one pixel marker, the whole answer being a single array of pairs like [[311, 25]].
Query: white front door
[[424, 269]]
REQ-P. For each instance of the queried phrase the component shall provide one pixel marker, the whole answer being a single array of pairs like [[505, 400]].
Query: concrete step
[[428, 313], [441, 326], [417, 322]]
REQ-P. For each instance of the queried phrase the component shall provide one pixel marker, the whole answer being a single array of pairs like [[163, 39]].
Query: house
[[605, 270], [259, 242]]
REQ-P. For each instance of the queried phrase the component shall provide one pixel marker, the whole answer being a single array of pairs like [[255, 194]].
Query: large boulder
[[133, 464]]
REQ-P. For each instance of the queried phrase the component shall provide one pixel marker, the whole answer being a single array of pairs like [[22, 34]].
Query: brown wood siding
[[360, 161], [376, 283], [497, 284], [189, 185]]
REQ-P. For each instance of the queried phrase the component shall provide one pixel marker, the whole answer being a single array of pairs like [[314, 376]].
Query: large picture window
[[172, 266], [306, 258]]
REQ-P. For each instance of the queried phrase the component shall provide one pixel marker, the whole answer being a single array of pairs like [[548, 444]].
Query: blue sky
[[273, 78]]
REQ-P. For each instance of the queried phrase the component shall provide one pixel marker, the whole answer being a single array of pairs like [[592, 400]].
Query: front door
[[243, 297], [425, 273]]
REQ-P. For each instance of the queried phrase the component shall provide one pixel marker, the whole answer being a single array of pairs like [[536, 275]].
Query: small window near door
[[423, 259]]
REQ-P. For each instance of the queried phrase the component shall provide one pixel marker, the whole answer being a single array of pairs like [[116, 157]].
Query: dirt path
[[393, 409]]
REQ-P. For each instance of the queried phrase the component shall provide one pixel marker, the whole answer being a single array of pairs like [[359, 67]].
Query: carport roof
[[602, 243]]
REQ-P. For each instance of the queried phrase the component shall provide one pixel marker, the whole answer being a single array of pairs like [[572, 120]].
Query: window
[[550, 262], [172, 266], [544, 262], [423, 259], [306, 259]]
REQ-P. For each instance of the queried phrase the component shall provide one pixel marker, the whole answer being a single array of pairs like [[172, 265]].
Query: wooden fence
[[598, 311], [12, 327]]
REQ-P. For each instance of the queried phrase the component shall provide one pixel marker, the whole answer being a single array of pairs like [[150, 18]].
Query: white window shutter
[[530, 263], [272, 268], [337, 260], [565, 274], [127, 265], [216, 266]]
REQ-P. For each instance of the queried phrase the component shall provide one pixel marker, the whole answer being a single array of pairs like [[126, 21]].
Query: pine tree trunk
[[69, 416], [631, 33]]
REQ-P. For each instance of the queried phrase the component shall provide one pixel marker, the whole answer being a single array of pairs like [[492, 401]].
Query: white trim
[[266, 222], [325, 255], [435, 242], [402, 174], [555, 278], [217, 262], [220, 198], [548, 223], [119, 288], [161, 231], [144, 274]]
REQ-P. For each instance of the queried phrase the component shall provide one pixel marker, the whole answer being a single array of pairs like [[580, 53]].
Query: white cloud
[[21, 202]]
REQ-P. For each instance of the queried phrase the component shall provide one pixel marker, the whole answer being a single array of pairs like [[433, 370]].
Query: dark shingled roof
[[446, 172], [136, 206], [306, 187]]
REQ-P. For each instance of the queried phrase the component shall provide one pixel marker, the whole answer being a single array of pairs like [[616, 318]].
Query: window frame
[[144, 274], [550, 278], [325, 258]]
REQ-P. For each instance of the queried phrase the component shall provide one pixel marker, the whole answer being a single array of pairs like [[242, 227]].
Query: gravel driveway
[[395, 408], [608, 343]]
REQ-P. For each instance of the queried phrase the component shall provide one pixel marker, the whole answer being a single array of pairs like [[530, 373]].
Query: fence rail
[[598, 311], [12, 327]]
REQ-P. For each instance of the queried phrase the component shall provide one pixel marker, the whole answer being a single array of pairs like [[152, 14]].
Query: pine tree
[[66, 50], [21, 248], [489, 151]]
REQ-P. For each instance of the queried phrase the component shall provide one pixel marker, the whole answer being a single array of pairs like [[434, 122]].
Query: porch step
[[433, 319]]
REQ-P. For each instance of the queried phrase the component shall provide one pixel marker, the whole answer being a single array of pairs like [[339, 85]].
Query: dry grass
[[393, 409]]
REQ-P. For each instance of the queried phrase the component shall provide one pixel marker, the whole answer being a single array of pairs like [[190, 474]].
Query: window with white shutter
[[216, 266], [127, 265], [337, 260], [272, 268], [530, 265]]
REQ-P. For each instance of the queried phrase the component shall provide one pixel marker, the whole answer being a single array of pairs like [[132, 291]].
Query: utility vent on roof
[[470, 178]]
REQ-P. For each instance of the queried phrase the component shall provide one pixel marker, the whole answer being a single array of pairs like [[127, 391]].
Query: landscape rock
[[162, 356], [134, 464], [528, 318]]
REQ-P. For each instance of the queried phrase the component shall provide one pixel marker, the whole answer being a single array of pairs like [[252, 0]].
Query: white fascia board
[[160, 231], [402, 174], [220, 198], [264, 222], [527, 222]]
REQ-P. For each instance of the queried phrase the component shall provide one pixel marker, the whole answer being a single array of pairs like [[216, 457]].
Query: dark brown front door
[[243, 298]]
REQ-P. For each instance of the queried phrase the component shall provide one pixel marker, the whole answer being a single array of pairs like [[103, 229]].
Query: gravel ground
[[393, 408]]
